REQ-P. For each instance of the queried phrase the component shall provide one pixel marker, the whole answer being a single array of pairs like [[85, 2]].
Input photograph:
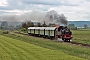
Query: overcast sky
[[72, 9]]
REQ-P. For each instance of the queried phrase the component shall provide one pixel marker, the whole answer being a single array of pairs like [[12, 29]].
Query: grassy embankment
[[74, 50], [12, 49]]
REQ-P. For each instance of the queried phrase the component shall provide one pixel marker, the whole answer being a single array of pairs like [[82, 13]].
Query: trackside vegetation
[[13, 49]]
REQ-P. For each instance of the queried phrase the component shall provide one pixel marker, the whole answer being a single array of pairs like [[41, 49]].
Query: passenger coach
[[48, 32]]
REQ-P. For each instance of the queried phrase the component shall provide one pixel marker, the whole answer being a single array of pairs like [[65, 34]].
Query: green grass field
[[82, 36], [12, 49]]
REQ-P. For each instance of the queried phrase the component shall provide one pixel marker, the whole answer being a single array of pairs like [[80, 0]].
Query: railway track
[[82, 44], [76, 43]]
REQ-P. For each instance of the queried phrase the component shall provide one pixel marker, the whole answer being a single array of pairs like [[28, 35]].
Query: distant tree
[[38, 24], [52, 25], [11, 27], [85, 26], [71, 26], [44, 24], [32, 24], [24, 25], [18, 27], [29, 24], [4, 25]]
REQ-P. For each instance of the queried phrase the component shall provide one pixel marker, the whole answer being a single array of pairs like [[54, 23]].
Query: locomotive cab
[[58, 32]]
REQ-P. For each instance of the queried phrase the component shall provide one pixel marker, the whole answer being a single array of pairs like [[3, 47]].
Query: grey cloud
[[42, 2], [88, 0], [10, 18], [86, 15], [33, 5], [29, 4], [13, 5], [5, 8], [48, 2]]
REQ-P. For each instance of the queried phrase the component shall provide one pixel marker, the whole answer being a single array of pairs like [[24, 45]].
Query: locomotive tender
[[50, 32]]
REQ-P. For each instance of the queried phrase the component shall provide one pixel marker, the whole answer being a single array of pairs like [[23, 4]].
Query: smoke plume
[[53, 17], [38, 16]]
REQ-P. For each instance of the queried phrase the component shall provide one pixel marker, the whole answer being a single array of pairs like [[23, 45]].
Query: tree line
[[31, 24]]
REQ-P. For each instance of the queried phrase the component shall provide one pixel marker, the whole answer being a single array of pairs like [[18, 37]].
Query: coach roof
[[50, 28], [41, 28]]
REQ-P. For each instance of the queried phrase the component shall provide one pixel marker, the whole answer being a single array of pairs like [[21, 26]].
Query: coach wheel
[[64, 40], [69, 40]]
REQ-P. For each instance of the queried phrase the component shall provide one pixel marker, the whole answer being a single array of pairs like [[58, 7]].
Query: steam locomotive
[[51, 32]]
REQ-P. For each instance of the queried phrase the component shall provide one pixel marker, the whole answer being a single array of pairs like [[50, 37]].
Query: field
[[12, 49], [61, 50], [82, 36]]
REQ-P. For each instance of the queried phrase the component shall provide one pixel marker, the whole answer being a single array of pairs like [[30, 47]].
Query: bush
[[5, 32], [23, 30]]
